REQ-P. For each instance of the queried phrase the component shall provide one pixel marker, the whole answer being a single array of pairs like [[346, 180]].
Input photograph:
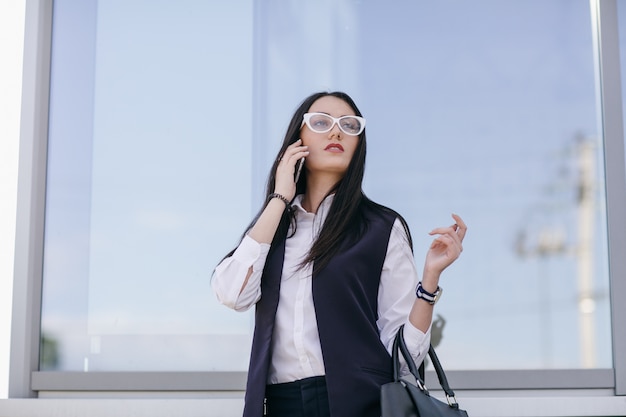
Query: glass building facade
[[161, 122]]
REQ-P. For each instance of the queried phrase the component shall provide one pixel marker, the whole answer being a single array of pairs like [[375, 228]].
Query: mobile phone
[[299, 170]]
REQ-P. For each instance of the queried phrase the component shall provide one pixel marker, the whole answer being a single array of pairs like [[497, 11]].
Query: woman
[[331, 274]]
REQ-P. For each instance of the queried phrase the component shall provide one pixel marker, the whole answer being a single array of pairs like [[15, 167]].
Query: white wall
[[11, 45]]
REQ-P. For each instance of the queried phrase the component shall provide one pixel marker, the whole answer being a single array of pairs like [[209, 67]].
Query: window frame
[[25, 380]]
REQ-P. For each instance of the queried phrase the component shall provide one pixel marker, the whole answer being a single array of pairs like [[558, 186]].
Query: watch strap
[[431, 298]]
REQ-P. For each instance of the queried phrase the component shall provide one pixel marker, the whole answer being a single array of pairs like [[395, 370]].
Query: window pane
[[486, 109], [139, 209], [158, 161]]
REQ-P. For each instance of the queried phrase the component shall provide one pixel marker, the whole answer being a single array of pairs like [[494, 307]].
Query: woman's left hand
[[446, 247]]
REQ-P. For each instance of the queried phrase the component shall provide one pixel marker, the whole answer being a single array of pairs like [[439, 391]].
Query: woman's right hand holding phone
[[265, 227], [285, 184]]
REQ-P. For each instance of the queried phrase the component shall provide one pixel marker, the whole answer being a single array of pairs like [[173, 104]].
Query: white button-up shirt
[[296, 350]]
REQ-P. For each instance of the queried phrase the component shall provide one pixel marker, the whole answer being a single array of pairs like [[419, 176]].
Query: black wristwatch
[[432, 298]]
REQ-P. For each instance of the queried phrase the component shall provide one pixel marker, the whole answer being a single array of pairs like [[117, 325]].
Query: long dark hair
[[345, 219]]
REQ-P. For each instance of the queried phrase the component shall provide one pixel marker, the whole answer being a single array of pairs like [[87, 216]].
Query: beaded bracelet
[[282, 197]]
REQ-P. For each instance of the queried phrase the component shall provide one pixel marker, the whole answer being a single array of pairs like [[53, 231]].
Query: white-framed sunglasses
[[322, 123]]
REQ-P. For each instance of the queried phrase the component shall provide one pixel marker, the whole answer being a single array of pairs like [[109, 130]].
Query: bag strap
[[443, 381], [399, 344]]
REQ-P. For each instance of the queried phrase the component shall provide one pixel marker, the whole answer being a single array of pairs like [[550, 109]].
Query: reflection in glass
[[488, 112]]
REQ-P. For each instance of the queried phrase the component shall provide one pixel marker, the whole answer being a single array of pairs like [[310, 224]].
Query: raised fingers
[[294, 152], [456, 232], [461, 227]]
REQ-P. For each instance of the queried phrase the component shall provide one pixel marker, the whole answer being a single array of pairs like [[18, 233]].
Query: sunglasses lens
[[320, 123], [350, 125]]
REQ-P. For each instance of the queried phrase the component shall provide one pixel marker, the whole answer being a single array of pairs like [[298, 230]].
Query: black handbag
[[403, 398]]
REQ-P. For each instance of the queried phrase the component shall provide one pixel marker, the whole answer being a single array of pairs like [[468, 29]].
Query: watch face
[[438, 294]]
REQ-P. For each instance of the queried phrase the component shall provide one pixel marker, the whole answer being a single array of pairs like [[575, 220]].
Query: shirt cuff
[[249, 250], [416, 339]]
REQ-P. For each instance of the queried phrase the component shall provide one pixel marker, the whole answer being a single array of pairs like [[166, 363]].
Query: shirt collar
[[322, 211], [319, 217]]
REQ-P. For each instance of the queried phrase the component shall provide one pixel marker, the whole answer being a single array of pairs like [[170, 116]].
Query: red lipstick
[[334, 147]]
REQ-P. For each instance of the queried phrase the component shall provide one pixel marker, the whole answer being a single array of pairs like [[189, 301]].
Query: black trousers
[[304, 398]]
